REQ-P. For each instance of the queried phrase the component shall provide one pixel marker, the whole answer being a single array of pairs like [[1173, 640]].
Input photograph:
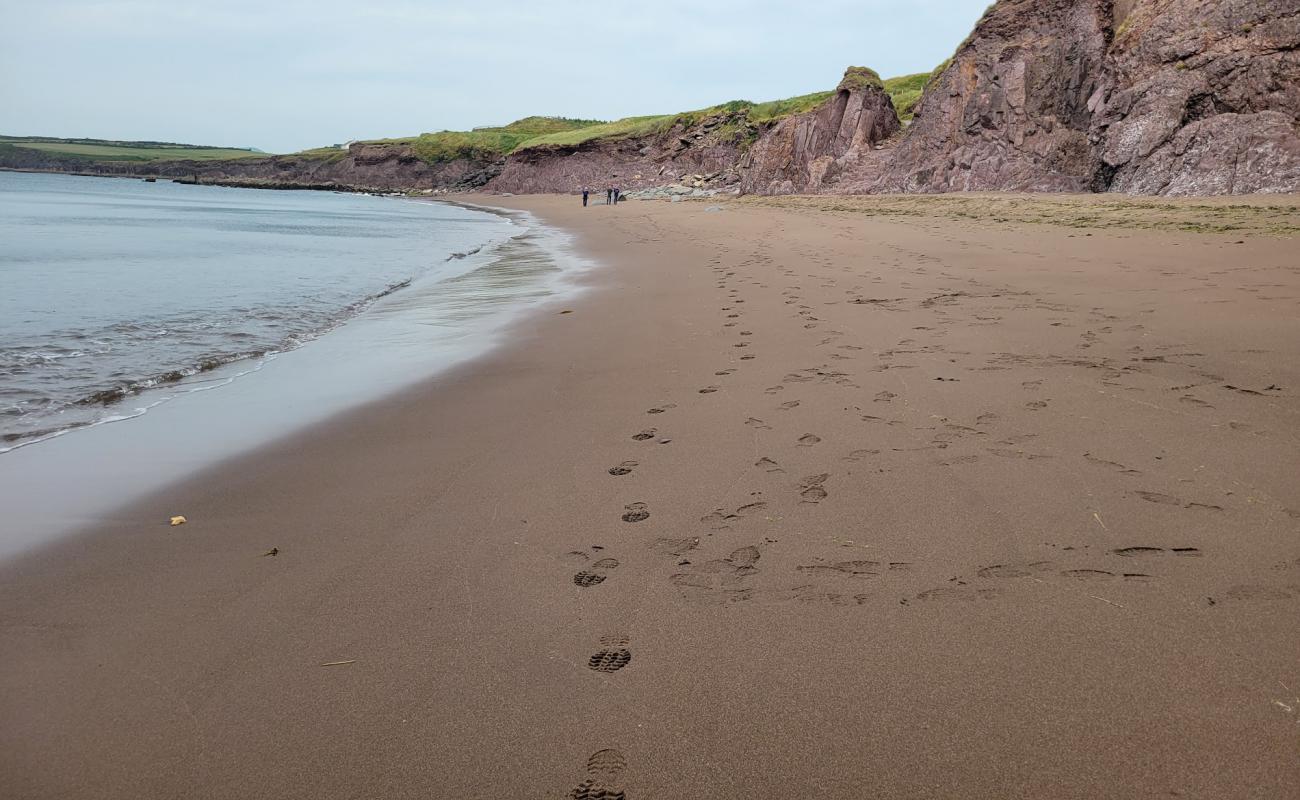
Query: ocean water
[[110, 288], [148, 331]]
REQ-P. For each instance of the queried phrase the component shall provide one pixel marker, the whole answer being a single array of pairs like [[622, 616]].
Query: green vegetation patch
[[744, 116], [861, 78], [108, 150], [486, 143], [906, 91]]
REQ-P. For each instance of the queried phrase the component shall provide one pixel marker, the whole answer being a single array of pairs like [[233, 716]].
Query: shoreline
[[159, 436], [890, 469]]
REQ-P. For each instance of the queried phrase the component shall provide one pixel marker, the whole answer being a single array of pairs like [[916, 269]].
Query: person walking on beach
[[584, 197], [609, 196], [616, 194]]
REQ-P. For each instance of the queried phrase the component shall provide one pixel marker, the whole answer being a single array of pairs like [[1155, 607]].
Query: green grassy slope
[[486, 143], [654, 124], [109, 150], [905, 91]]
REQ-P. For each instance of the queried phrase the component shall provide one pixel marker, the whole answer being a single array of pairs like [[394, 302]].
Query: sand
[[908, 505]]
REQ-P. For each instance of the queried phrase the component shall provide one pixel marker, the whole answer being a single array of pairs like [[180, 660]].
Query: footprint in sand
[[808, 440], [648, 433], [811, 489], [753, 422], [768, 465], [661, 409], [1096, 575], [612, 656], [959, 594], [1139, 551], [858, 455], [1170, 500], [604, 769], [624, 468], [789, 404], [1026, 570], [719, 519], [595, 573], [709, 389], [675, 546], [635, 512], [724, 580], [844, 569]]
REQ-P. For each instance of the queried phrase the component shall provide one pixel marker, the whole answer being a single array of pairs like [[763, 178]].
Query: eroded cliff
[[807, 153], [1200, 97]]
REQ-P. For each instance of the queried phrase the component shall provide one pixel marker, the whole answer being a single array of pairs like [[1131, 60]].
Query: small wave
[[115, 394], [466, 254]]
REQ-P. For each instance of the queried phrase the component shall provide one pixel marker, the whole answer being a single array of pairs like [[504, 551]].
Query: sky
[[284, 75]]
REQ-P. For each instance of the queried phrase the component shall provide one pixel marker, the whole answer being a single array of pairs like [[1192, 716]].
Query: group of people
[[612, 195]]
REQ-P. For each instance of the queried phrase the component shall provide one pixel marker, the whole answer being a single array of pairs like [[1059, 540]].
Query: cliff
[[1200, 97], [1138, 96], [707, 145], [1010, 111], [807, 153]]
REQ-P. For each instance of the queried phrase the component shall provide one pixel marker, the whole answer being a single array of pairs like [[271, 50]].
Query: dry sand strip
[[796, 502]]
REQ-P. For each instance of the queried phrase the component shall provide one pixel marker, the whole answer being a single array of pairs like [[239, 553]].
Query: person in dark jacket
[[584, 197], [609, 196]]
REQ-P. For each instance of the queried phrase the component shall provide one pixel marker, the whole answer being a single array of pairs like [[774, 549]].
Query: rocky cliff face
[[1200, 97], [807, 153], [708, 150], [1010, 111]]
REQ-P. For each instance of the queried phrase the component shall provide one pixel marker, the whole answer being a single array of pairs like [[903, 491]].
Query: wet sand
[[795, 502]]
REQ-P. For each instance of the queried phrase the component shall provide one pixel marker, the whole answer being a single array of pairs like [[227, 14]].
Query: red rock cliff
[[808, 152], [1200, 97]]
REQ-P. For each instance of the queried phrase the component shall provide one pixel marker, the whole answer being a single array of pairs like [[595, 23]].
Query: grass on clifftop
[[906, 91], [485, 143], [108, 150], [650, 125]]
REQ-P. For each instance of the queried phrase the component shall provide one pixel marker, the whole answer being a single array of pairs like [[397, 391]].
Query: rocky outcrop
[[1200, 97], [706, 151], [1010, 112], [808, 152], [362, 167]]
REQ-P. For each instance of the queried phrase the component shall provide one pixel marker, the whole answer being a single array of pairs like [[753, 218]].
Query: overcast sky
[[283, 75]]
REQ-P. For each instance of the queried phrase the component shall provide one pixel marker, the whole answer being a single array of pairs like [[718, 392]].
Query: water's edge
[[64, 484]]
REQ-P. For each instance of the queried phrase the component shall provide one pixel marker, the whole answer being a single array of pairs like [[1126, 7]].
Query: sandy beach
[[907, 498]]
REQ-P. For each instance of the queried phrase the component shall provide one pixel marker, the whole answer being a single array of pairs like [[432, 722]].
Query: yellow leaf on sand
[[178, 521]]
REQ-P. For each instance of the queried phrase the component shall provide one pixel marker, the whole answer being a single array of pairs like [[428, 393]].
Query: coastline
[[450, 312], [929, 599]]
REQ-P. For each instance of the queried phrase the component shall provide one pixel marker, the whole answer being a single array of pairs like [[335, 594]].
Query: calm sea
[[202, 322], [112, 290]]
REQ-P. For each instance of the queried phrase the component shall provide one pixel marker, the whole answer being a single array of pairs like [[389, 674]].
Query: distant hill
[[100, 150]]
